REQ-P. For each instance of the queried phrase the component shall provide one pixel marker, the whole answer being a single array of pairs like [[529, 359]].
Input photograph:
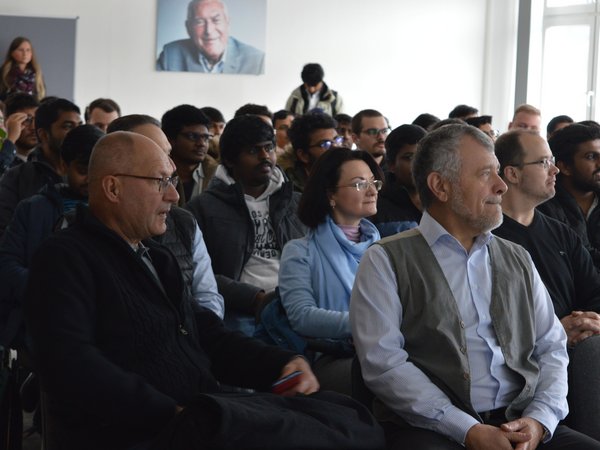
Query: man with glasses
[[453, 327], [186, 128], [577, 152], [247, 215], [21, 137], [210, 49], [565, 266], [370, 129], [311, 135], [122, 350]]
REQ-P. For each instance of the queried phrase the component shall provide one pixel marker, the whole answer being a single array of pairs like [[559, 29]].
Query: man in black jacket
[[577, 152], [247, 214], [565, 266], [121, 348], [53, 120]]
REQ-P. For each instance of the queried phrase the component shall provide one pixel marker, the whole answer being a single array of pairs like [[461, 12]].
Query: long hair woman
[[20, 71]]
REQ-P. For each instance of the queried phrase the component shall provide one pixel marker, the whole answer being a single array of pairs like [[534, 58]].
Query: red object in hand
[[285, 383]]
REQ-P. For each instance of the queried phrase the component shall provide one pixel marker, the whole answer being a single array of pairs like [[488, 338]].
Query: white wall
[[402, 57]]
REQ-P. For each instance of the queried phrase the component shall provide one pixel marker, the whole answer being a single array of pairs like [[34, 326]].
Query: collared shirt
[[204, 284], [376, 314], [143, 252], [212, 68]]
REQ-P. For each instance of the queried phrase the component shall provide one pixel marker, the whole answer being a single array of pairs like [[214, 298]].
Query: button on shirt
[[376, 315]]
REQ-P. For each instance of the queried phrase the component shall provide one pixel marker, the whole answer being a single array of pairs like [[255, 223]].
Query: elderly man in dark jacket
[[126, 358]]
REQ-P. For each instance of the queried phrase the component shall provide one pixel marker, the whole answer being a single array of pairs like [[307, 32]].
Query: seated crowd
[[165, 280]]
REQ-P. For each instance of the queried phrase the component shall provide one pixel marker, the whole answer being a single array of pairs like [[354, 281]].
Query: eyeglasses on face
[[163, 183], [326, 144], [197, 137], [492, 133], [545, 162], [256, 149], [377, 131], [364, 185]]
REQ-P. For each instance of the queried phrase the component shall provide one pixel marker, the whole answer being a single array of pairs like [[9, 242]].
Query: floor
[[33, 441]]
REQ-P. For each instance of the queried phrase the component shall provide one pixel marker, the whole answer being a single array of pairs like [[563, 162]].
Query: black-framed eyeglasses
[[545, 162], [326, 144], [269, 147], [163, 183], [364, 185], [197, 137], [377, 131]]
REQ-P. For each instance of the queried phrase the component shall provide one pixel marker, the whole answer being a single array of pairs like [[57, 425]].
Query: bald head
[[116, 153], [118, 150], [127, 191]]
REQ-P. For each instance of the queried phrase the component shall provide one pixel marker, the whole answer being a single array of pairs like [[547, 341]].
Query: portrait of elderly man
[[210, 48]]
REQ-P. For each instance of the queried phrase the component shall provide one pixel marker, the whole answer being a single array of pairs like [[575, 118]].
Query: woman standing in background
[[20, 71]]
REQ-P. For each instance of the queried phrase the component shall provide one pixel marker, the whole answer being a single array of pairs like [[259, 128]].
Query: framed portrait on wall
[[211, 36]]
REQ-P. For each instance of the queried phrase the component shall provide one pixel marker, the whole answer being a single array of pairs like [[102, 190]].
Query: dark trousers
[[398, 438]]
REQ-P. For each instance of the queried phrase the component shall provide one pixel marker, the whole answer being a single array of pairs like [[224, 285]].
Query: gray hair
[[193, 3], [438, 152]]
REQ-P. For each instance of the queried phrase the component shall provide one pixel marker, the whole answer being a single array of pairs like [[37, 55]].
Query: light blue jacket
[[316, 275]]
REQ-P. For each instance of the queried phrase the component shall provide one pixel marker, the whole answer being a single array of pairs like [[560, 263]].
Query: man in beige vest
[[454, 330]]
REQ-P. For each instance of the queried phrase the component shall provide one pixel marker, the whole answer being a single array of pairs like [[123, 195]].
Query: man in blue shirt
[[454, 330]]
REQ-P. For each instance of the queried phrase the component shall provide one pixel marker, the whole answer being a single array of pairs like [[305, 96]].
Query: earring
[[332, 204]]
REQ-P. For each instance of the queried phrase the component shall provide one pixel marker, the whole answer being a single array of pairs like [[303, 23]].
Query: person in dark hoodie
[[398, 206], [247, 215], [35, 219]]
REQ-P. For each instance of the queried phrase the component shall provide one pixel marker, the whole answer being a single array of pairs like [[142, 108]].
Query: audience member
[[21, 137], [127, 360], [53, 120], [557, 123], [282, 120], [186, 128], [217, 124], [317, 272], [463, 112], [398, 206], [577, 152], [183, 236], [101, 112], [36, 218], [311, 135], [210, 49], [589, 123], [526, 117], [344, 129], [247, 215], [565, 266], [449, 367], [314, 93], [426, 121], [20, 71], [484, 123], [443, 123], [256, 110], [369, 132]]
